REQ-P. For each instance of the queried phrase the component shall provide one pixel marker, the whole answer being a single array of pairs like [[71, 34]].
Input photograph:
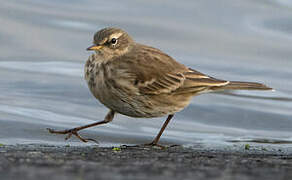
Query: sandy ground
[[93, 162]]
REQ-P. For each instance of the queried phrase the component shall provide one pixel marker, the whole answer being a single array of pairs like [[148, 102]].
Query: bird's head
[[111, 42]]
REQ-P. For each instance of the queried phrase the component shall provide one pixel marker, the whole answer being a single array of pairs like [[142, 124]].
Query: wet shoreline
[[44, 51], [93, 162]]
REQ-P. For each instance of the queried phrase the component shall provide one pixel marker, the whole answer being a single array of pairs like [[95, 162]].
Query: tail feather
[[237, 85]]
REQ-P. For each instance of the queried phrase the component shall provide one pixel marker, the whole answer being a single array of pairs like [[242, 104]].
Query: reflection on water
[[42, 57]]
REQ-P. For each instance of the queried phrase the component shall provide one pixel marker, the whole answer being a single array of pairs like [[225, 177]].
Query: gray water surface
[[42, 54]]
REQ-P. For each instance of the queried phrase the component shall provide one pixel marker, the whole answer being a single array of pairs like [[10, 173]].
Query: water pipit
[[143, 82]]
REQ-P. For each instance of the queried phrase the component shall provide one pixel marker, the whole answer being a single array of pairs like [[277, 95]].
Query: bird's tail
[[237, 85]]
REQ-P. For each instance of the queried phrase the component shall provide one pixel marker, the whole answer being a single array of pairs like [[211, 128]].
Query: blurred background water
[[42, 54]]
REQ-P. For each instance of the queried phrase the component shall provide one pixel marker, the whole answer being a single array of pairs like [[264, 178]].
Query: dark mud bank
[[36, 162]]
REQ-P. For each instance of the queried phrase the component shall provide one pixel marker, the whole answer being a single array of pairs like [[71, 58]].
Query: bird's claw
[[71, 132], [153, 144]]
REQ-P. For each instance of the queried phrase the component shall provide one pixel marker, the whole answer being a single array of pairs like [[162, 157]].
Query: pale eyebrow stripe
[[116, 35]]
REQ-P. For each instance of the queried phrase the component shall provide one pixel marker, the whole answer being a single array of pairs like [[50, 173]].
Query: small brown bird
[[141, 81]]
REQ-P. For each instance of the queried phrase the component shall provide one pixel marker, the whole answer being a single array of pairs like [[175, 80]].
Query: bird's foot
[[148, 145], [70, 132], [155, 145]]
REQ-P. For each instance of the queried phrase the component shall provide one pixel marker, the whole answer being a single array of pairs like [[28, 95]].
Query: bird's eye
[[114, 41]]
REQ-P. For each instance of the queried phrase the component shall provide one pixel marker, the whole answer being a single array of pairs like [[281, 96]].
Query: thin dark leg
[[74, 131], [155, 141]]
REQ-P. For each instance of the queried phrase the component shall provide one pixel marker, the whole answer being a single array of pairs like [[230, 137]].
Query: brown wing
[[164, 84], [197, 82], [155, 73]]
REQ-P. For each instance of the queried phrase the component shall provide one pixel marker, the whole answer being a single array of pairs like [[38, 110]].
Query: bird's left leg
[[74, 131]]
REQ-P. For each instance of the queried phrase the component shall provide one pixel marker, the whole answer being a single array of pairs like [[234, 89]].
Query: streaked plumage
[[141, 81]]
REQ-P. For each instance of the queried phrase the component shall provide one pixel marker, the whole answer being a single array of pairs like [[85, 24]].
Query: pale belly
[[135, 105], [121, 96]]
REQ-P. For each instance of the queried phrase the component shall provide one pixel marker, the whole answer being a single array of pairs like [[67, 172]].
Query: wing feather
[[155, 73], [197, 82], [164, 84]]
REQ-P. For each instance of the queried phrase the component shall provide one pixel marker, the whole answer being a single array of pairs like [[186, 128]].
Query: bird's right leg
[[74, 131], [155, 141]]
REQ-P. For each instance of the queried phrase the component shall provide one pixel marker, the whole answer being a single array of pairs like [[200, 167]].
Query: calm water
[[42, 53]]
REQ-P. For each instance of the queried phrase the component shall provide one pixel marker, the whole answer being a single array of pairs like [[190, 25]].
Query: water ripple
[[51, 67], [71, 24]]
